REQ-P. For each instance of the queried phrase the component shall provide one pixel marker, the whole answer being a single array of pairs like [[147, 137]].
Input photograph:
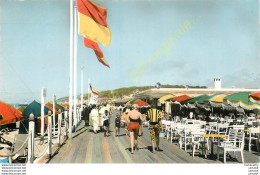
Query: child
[[106, 123], [117, 124]]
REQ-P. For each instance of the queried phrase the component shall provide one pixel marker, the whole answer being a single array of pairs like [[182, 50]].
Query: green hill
[[116, 93]]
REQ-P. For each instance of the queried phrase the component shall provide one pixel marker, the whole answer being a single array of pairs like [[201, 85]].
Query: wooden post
[[49, 135], [77, 115], [54, 101], [42, 110], [31, 139], [66, 121], [59, 127], [82, 68]]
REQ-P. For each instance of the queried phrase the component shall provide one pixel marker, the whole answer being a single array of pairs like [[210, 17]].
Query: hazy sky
[[222, 41]]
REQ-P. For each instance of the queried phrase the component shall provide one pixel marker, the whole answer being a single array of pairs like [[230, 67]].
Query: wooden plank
[[88, 156], [82, 147], [96, 155], [137, 157], [106, 151], [115, 153]]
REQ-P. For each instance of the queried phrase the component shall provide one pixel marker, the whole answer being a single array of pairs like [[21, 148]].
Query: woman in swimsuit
[[134, 118]]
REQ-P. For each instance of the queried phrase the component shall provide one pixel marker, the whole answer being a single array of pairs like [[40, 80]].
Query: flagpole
[[82, 67], [88, 90], [75, 69], [71, 69]]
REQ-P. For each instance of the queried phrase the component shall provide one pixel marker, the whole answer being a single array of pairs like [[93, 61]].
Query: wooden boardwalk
[[87, 147]]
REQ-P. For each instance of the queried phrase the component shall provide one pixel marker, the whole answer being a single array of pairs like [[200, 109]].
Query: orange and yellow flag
[[93, 25], [94, 91]]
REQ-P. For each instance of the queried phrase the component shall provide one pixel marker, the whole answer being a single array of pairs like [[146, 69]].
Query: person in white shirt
[[191, 115], [94, 115]]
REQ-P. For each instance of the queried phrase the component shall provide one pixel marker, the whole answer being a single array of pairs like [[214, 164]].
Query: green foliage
[[117, 93], [172, 86], [198, 87]]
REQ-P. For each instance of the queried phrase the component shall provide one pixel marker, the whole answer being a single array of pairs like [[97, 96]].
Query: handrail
[[17, 150]]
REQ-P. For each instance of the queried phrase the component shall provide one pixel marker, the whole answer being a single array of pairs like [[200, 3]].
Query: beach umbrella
[[216, 100], [166, 97], [241, 99], [132, 101], [200, 99], [141, 103], [9, 114], [255, 97], [181, 98]]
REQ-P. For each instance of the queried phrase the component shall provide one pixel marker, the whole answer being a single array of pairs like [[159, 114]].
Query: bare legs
[[157, 146], [133, 140], [117, 131], [106, 133], [136, 141]]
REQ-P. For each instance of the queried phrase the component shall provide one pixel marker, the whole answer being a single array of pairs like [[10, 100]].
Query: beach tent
[[67, 105], [21, 109], [57, 106], [35, 108], [9, 114], [51, 109]]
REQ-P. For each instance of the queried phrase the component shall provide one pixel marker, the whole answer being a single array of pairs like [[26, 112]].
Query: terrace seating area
[[208, 139]]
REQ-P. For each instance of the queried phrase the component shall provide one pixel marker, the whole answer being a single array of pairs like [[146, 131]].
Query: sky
[[221, 40]]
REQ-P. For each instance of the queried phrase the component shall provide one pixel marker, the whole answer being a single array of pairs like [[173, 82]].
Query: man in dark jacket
[[86, 112]]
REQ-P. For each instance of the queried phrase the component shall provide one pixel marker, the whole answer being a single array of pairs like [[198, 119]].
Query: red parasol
[[141, 103], [255, 96], [181, 98]]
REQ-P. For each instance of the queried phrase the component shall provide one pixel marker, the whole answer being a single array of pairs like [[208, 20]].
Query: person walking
[[86, 112], [95, 118], [134, 119], [117, 123], [155, 125], [106, 123]]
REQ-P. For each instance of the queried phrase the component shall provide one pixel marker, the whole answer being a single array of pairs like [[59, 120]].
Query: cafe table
[[212, 136]]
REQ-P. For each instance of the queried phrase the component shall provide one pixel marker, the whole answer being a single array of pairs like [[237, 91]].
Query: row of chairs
[[188, 133]]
